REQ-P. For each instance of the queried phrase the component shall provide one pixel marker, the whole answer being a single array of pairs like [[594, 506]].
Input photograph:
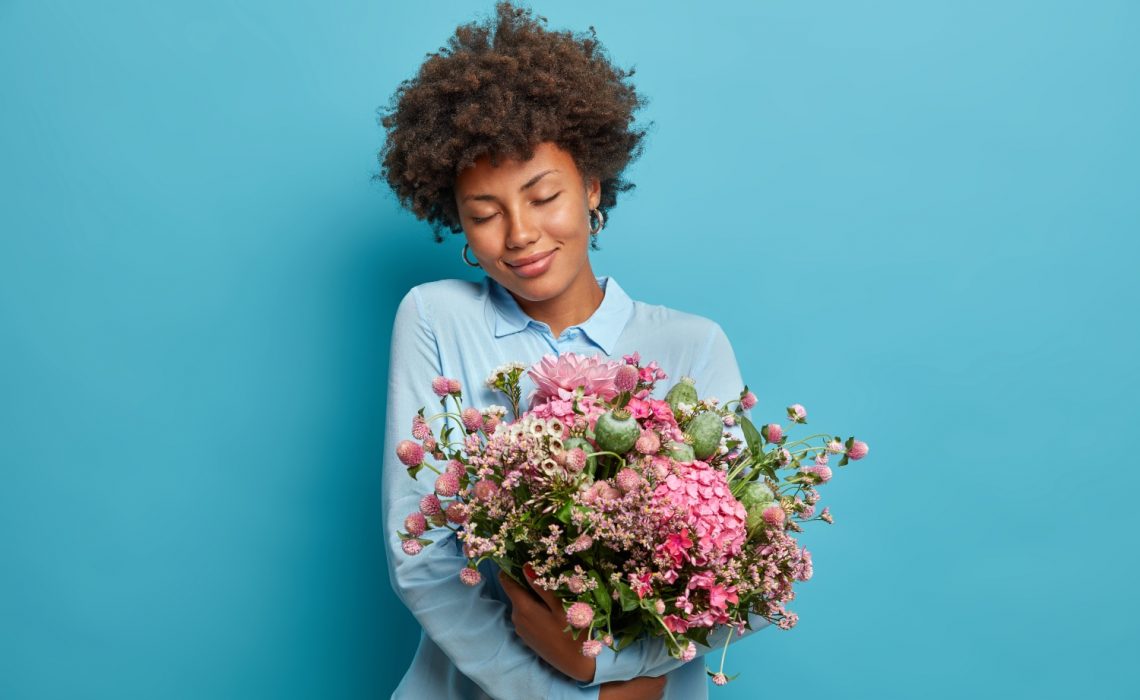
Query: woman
[[517, 136]]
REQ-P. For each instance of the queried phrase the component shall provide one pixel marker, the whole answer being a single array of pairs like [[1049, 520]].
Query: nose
[[521, 230]]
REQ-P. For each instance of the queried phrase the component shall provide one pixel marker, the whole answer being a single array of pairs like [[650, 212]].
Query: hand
[[640, 688], [540, 621]]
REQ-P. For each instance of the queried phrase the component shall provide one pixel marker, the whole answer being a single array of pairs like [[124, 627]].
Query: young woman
[[517, 137]]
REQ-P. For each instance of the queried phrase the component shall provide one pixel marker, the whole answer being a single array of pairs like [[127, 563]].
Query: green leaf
[[625, 640], [752, 436], [564, 512], [413, 471]]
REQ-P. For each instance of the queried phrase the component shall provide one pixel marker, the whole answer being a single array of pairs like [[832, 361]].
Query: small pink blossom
[[415, 524], [775, 432], [411, 547], [470, 576], [689, 653], [835, 447], [472, 419], [719, 679], [485, 489], [420, 427], [649, 443], [858, 450], [625, 379], [457, 513], [580, 615], [429, 505], [774, 516], [410, 453], [797, 413], [441, 386], [591, 648], [825, 516], [453, 386], [628, 479], [748, 400], [447, 484]]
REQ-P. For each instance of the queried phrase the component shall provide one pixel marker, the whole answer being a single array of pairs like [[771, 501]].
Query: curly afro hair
[[498, 89]]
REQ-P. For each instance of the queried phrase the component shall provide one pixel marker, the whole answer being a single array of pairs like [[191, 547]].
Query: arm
[[718, 375], [472, 629]]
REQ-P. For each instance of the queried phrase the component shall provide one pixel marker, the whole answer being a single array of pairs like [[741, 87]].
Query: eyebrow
[[528, 183]]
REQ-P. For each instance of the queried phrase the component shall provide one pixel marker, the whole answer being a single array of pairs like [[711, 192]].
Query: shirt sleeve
[[472, 628], [717, 375]]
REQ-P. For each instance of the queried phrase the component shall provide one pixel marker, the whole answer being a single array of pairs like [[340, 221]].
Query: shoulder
[[657, 318], [454, 295]]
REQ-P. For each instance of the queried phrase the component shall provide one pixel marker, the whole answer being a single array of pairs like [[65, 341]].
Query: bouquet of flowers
[[644, 516]]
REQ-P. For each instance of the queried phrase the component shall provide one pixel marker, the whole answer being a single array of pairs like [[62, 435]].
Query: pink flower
[[858, 450], [591, 648], [420, 428], [440, 385], [797, 413], [719, 679], [410, 453], [453, 386], [471, 577], [659, 606], [835, 447], [628, 479], [447, 484], [748, 400], [774, 516], [415, 524], [689, 653], [649, 443], [775, 432], [580, 615], [701, 494], [457, 513], [600, 491], [626, 378], [411, 547], [429, 505], [472, 419], [558, 376], [820, 470], [825, 516], [485, 489], [576, 460], [676, 624]]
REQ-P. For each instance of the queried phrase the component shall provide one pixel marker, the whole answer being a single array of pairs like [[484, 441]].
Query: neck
[[573, 306]]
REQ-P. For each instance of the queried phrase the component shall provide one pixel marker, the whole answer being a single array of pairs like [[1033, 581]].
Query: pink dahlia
[[558, 376], [580, 615]]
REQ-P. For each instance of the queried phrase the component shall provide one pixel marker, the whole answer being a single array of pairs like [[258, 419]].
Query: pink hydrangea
[[716, 518], [558, 376]]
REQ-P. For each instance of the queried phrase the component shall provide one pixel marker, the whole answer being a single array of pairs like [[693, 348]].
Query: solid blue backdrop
[[919, 220]]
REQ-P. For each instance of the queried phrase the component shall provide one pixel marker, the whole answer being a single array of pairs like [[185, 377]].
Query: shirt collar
[[604, 327]]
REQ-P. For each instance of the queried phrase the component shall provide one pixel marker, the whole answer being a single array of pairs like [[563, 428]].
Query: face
[[528, 222]]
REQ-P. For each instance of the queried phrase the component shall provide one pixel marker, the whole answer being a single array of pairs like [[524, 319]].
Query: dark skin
[[540, 621]]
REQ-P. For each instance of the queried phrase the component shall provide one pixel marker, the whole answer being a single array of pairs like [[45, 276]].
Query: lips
[[528, 260], [534, 265]]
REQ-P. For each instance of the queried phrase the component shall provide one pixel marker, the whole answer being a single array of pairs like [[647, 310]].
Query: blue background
[[919, 220]]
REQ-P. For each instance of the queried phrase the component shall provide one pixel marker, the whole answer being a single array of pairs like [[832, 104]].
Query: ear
[[593, 192]]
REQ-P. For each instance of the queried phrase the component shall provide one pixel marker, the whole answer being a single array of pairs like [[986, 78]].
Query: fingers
[[548, 597]]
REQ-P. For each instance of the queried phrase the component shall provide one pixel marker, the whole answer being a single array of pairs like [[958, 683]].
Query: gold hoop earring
[[463, 254], [601, 221]]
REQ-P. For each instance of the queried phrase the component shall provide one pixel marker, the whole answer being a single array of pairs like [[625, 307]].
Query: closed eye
[[481, 219]]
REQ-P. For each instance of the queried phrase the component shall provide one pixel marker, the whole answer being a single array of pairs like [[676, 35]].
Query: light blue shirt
[[463, 330]]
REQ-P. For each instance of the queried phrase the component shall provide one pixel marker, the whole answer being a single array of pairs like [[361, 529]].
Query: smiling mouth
[[531, 259]]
